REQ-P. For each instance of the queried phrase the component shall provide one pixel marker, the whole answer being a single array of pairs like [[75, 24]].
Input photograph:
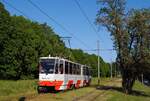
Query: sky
[[68, 14]]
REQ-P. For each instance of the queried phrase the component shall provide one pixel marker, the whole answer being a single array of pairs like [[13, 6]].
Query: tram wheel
[[38, 90]]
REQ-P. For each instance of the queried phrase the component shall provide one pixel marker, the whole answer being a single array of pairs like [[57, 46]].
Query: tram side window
[[56, 68], [78, 70], [87, 71], [60, 69], [84, 71], [66, 67], [70, 72], [74, 69]]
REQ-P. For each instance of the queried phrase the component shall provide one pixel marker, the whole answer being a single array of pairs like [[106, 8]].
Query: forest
[[23, 41]]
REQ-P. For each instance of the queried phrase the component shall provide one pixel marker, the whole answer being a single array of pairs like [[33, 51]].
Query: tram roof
[[49, 57]]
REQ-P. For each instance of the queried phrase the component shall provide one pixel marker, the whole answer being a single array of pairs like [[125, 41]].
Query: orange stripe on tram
[[70, 82], [84, 83], [46, 83], [57, 84], [78, 83]]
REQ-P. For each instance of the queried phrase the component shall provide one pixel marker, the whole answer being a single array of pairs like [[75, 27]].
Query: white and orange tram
[[61, 74]]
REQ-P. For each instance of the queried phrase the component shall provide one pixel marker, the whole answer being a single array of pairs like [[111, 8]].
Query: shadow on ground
[[119, 89]]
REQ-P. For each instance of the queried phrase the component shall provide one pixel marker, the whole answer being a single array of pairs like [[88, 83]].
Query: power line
[[87, 18], [59, 24], [16, 9], [100, 50], [107, 49]]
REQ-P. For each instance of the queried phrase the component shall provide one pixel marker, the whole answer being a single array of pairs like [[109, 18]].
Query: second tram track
[[93, 95], [90, 96]]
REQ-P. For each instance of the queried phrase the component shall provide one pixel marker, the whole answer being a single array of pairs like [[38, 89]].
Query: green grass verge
[[140, 93], [13, 90]]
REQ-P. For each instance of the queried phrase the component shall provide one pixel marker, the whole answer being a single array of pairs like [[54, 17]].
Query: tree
[[22, 43], [128, 39], [5, 32], [139, 31]]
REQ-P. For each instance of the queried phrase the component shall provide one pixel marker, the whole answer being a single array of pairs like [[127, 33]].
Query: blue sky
[[69, 15]]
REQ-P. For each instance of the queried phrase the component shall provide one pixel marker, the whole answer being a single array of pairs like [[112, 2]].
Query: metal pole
[[142, 79], [111, 69], [98, 62], [111, 66], [115, 70]]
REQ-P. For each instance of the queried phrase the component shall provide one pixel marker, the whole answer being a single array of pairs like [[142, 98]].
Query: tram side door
[[66, 69]]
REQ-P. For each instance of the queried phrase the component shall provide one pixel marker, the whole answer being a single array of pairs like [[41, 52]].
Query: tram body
[[61, 74]]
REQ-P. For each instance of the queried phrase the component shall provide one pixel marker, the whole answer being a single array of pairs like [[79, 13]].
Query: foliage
[[23, 41], [130, 34]]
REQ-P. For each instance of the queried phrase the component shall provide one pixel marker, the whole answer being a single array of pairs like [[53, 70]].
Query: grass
[[13, 90], [140, 93]]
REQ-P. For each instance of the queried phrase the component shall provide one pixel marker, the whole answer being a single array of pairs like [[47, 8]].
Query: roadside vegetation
[[110, 91], [11, 90]]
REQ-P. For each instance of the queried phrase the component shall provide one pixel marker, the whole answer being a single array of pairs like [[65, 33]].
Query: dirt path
[[97, 94]]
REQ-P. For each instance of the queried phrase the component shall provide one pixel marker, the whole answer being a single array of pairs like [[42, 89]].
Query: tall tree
[[111, 16], [138, 25], [128, 38]]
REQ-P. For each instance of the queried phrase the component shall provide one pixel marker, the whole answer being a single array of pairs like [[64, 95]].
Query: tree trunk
[[128, 79]]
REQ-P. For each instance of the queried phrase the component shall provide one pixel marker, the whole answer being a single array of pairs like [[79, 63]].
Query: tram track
[[91, 96], [95, 94], [80, 97]]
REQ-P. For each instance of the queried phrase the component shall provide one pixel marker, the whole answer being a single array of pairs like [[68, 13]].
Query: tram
[[61, 74]]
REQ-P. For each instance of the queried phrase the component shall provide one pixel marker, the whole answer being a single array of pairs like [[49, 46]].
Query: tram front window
[[47, 65]]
